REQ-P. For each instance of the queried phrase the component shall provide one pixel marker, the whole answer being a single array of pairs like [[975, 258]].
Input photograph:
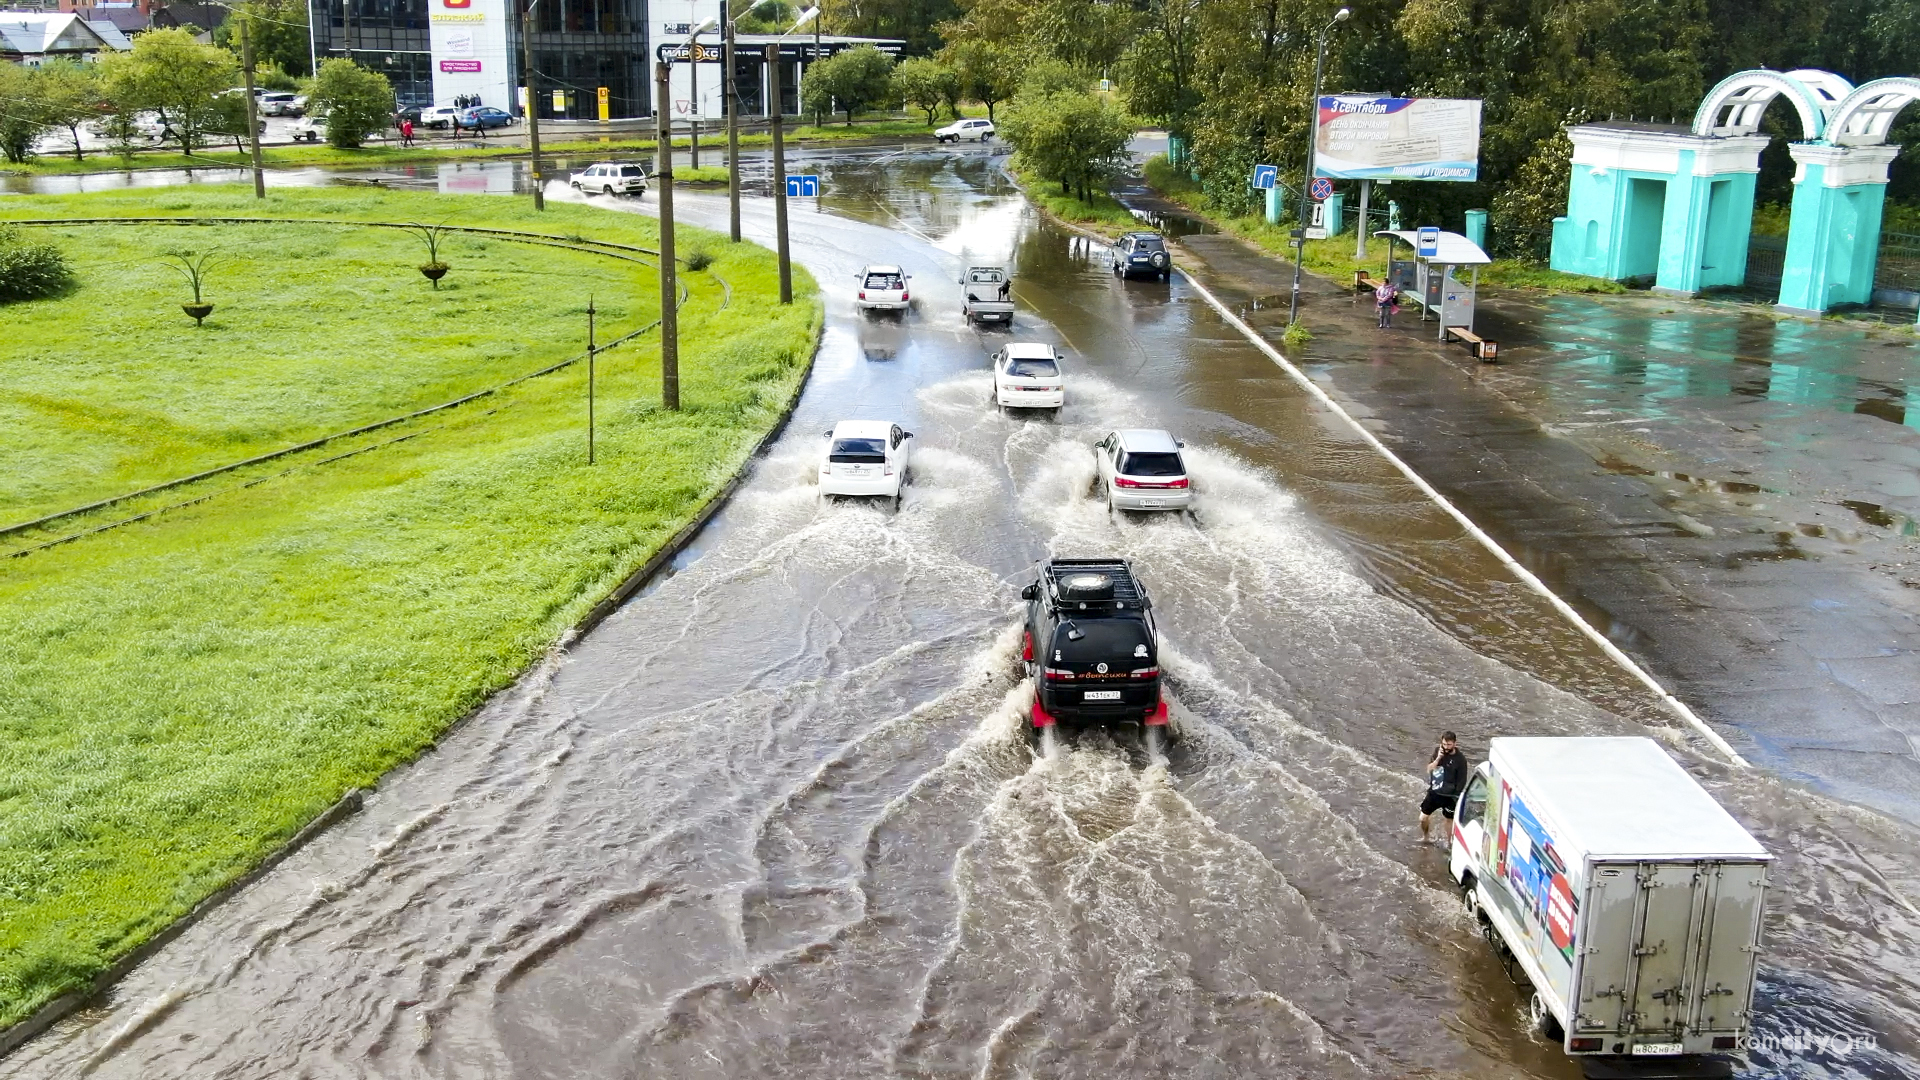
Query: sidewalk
[[1734, 499]]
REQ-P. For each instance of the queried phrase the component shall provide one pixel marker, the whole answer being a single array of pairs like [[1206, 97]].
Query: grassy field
[[1333, 257], [181, 695], [1103, 213], [437, 148]]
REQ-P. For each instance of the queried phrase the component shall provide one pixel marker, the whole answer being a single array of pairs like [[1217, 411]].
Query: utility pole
[[1306, 181], [253, 107], [733, 125], [590, 353], [1360, 241], [669, 292], [780, 178], [533, 106]]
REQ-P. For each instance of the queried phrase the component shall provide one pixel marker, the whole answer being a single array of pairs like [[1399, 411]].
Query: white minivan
[[1141, 469], [1026, 375]]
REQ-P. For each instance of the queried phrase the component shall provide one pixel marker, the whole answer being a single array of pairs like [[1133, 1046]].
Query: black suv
[[1090, 645], [1142, 253]]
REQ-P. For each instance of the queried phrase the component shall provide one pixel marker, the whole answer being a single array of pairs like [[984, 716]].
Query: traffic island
[[371, 507]]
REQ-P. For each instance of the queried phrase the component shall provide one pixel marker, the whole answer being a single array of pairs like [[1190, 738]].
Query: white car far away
[[1026, 375], [1141, 469], [610, 178], [865, 458], [966, 131], [883, 288]]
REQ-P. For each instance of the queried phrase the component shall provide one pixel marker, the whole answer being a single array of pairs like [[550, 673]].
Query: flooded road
[[775, 817]]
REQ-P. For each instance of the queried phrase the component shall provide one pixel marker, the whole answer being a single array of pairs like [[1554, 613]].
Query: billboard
[[469, 43], [1388, 138]]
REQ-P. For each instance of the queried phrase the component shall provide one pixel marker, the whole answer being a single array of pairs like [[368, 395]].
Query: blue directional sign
[[1266, 177], [1321, 189], [1428, 245], [803, 186]]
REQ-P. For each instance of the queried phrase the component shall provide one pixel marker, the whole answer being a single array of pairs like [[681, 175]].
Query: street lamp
[[780, 158], [1306, 181], [533, 104], [732, 93], [693, 81]]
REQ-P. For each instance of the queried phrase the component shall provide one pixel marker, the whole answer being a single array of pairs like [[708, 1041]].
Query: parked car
[[440, 116], [865, 458], [1090, 647], [883, 288], [1629, 898], [407, 112], [308, 129], [1141, 469], [278, 103], [1026, 375], [987, 294], [485, 116], [965, 130], [298, 107], [1142, 253], [611, 178]]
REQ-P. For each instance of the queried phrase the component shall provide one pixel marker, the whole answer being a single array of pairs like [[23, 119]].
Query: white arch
[[1864, 116], [1735, 106]]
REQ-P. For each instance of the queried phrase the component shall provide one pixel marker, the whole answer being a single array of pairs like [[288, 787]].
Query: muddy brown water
[[775, 817]]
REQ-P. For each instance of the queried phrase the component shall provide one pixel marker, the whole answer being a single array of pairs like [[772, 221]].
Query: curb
[[349, 804]]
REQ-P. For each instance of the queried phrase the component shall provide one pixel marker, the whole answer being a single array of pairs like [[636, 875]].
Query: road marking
[[1675, 705]]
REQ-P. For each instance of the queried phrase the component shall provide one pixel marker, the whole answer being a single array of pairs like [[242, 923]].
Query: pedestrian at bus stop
[[1384, 298], [1446, 777]]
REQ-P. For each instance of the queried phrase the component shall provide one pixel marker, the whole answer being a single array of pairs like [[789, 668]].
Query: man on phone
[[1446, 776]]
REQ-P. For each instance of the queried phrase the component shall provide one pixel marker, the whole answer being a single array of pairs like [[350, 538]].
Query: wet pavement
[[776, 818]]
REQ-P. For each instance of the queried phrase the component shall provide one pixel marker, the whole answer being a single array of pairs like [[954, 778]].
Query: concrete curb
[[349, 804]]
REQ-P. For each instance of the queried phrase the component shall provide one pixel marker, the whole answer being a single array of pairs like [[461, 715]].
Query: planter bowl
[[435, 271], [198, 311]]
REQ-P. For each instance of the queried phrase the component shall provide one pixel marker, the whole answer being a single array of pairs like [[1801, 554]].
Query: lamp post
[[1306, 181], [669, 292], [780, 159], [693, 83], [533, 105], [732, 91]]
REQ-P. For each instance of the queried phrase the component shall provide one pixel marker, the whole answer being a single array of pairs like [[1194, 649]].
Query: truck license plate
[[1656, 1048], [1110, 695]]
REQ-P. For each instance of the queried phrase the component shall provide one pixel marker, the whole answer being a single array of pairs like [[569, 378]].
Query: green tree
[[229, 120], [72, 95], [174, 75], [23, 112], [1158, 67], [925, 84], [279, 32], [915, 22], [989, 72], [356, 102], [855, 80], [1072, 136]]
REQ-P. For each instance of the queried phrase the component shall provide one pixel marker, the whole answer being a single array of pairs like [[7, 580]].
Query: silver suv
[[611, 178]]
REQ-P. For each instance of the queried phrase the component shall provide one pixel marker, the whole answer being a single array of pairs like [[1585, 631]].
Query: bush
[[699, 259], [30, 269], [356, 102]]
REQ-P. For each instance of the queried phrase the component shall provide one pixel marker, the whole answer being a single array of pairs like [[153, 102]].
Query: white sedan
[[883, 288], [1026, 375], [865, 458]]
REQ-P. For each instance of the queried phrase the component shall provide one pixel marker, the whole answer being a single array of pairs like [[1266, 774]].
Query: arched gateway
[[1676, 203]]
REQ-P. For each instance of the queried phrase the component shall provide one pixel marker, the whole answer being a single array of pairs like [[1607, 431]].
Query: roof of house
[[111, 33], [40, 33], [202, 16]]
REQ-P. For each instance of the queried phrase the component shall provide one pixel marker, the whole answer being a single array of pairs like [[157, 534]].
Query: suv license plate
[[1103, 695], [1656, 1048]]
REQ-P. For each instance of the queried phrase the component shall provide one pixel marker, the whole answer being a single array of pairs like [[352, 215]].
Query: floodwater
[[775, 817]]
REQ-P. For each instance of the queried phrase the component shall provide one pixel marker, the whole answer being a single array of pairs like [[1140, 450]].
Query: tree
[[857, 79], [71, 95], [925, 84], [356, 102], [23, 114], [229, 120], [989, 72], [174, 75], [1072, 136], [916, 22], [1158, 67], [279, 32]]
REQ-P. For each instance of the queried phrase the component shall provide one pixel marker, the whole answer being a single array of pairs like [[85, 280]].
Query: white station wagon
[[1026, 375], [966, 131], [883, 288], [611, 178], [1141, 469]]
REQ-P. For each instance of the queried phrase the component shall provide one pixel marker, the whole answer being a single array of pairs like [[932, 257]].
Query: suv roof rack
[[1121, 589]]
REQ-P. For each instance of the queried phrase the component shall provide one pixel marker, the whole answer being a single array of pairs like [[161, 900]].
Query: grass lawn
[[1333, 257], [434, 148], [1103, 213], [179, 696]]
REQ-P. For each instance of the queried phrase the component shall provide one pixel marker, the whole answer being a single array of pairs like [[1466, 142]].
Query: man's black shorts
[[1436, 801]]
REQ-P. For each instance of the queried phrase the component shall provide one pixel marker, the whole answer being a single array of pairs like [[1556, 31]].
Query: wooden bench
[[1363, 282], [1479, 346]]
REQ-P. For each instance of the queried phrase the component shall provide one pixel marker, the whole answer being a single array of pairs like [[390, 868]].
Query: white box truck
[[1628, 896]]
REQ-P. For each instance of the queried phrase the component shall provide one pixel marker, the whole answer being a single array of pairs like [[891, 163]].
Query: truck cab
[[1090, 646]]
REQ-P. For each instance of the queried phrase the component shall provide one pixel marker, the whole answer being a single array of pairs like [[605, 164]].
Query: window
[[858, 451], [631, 170], [1474, 806], [884, 281], [1032, 367], [1155, 464], [1147, 243]]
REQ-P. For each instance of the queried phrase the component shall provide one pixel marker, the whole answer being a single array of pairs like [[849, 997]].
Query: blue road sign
[[803, 186], [1429, 242], [1266, 177], [1321, 188]]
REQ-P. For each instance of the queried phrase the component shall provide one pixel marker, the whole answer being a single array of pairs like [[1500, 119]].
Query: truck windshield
[[858, 450], [1112, 641]]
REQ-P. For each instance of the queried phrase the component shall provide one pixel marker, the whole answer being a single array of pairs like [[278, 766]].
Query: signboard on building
[[469, 43], [1372, 138]]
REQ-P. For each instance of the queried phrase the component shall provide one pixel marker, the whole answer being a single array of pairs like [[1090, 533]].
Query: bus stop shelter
[[1434, 282]]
